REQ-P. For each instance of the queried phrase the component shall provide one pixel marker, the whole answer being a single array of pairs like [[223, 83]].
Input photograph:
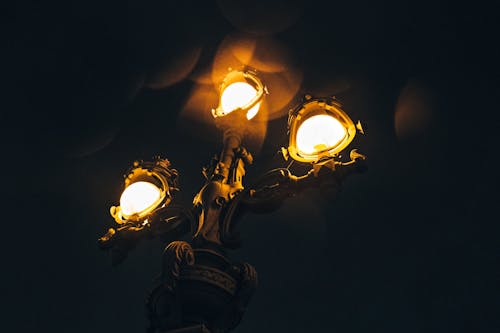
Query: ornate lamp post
[[200, 288]]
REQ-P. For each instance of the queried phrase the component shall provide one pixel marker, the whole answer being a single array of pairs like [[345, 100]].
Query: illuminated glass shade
[[319, 133], [139, 197], [240, 91], [319, 129], [147, 188], [237, 95]]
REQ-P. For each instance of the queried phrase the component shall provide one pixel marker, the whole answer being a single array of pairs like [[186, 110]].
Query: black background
[[410, 246]]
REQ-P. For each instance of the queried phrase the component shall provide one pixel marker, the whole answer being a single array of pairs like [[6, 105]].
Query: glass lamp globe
[[147, 187], [240, 91], [139, 197], [319, 129]]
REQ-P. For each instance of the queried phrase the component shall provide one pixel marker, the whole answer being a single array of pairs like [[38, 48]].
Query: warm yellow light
[[319, 133], [138, 197], [238, 95]]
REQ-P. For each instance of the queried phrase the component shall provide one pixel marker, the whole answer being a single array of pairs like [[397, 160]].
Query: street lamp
[[200, 288]]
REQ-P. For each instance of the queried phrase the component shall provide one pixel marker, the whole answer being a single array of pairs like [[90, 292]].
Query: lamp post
[[200, 289]]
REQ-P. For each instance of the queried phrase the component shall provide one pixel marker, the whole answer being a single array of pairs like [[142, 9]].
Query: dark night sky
[[410, 246]]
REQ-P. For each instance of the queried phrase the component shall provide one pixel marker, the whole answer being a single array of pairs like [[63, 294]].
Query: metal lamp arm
[[271, 190], [167, 223]]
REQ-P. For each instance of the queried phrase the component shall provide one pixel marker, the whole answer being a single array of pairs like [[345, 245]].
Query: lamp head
[[240, 90], [319, 129], [148, 186]]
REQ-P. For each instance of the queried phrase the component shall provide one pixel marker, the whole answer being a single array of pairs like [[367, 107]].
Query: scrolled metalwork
[[199, 285]]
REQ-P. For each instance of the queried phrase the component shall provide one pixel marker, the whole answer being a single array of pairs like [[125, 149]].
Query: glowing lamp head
[[148, 187], [319, 133], [236, 96], [319, 129], [240, 91], [139, 197]]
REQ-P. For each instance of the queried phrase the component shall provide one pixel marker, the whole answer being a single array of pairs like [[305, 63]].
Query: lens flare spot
[[414, 110]]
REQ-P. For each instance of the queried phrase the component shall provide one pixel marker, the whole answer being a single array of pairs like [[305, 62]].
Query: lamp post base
[[200, 291]]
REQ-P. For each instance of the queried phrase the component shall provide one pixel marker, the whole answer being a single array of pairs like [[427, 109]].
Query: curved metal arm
[[168, 223], [270, 191]]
